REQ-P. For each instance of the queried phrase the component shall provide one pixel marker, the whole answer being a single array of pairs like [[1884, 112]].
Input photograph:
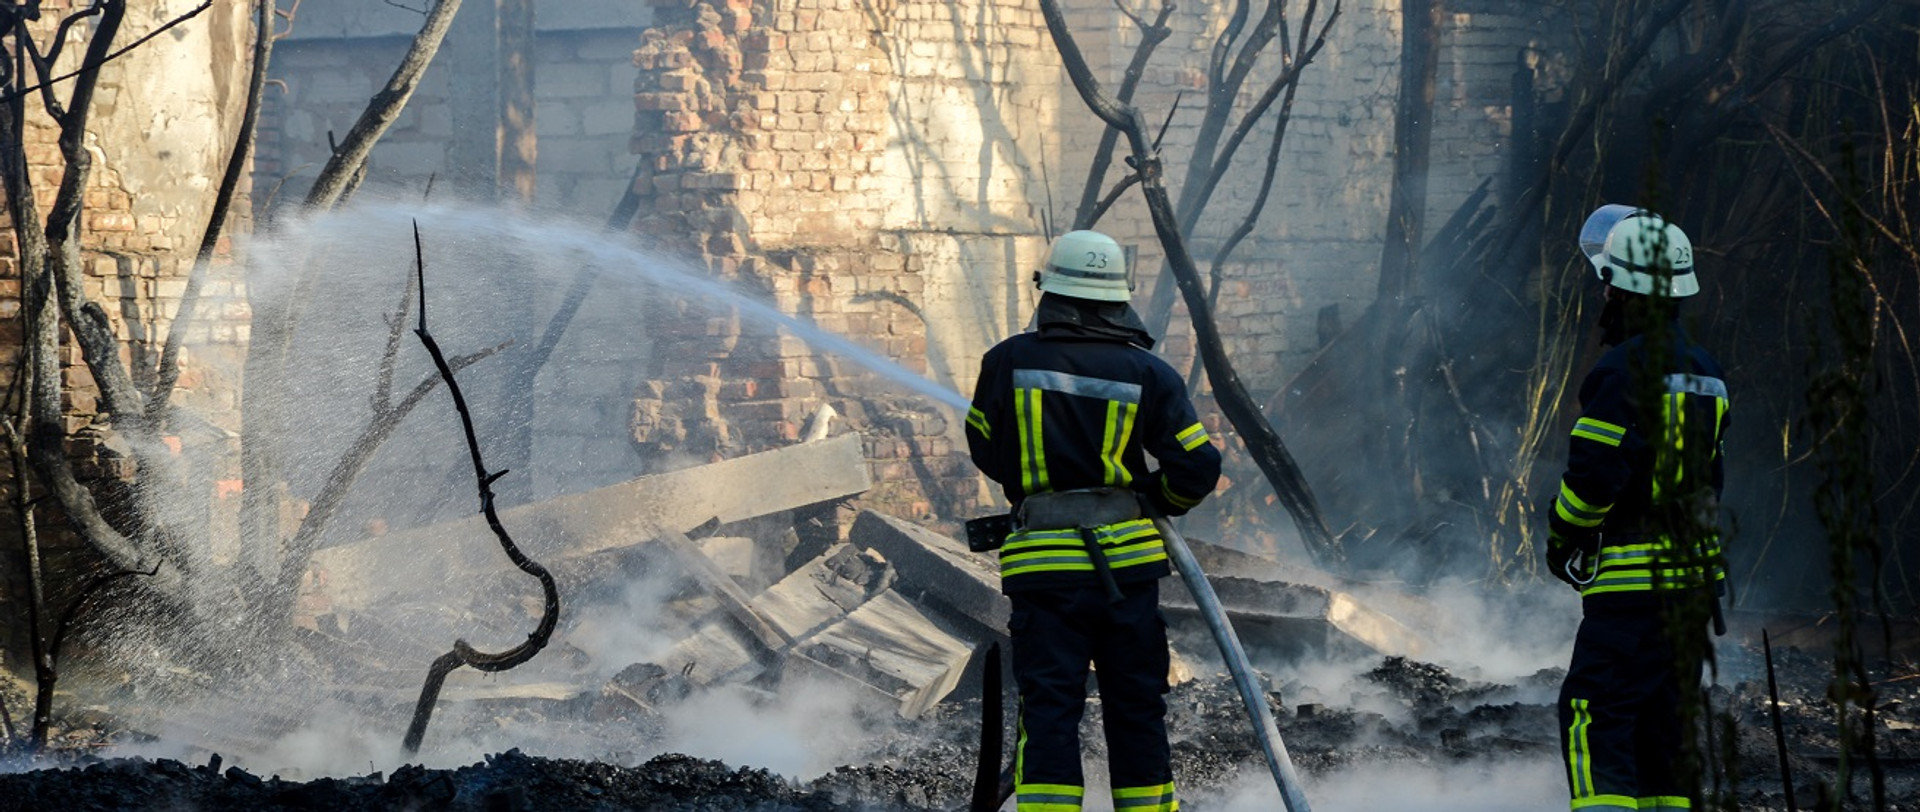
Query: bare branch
[[1211, 161], [45, 428], [291, 13], [1150, 39], [1235, 403], [93, 63], [169, 368], [349, 160], [1284, 83], [91, 327], [346, 471], [462, 653], [1112, 197], [1216, 269]]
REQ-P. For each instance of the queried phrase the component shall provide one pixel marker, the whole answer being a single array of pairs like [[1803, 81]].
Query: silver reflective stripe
[[1083, 273], [1043, 561], [1125, 558], [1076, 385], [1697, 385]]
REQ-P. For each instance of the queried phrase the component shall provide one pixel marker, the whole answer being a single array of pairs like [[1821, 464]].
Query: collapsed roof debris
[[364, 574], [894, 614]]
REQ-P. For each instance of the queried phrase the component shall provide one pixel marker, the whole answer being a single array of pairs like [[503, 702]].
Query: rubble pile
[[737, 580]]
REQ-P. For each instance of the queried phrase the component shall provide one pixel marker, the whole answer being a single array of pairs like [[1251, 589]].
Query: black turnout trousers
[[1620, 731], [1056, 634]]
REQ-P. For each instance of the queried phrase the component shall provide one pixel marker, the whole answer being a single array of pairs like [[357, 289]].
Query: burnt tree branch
[[45, 250], [346, 470], [1211, 159], [1236, 404], [1092, 206], [169, 368], [1216, 270], [349, 158], [105, 57], [462, 653]]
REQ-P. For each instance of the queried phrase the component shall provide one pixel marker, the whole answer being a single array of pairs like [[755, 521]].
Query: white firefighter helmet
[[1638, 251], [1087, 265]]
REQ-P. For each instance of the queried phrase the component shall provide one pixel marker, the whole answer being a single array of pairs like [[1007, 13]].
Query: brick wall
[[583, 114], [161, 126], [883, 169]]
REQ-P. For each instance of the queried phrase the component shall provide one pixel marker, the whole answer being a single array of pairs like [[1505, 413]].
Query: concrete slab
[[365, 573], [814, 597], [893, 647], [1290, 621], [935, 567]]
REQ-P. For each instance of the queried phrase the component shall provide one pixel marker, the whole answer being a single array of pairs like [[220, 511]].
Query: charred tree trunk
[[276, 319], [1235, 403], [1395, 367]]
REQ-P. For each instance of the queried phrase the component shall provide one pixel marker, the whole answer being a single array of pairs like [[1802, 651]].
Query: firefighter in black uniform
[[1632, 525], [1063, 418]]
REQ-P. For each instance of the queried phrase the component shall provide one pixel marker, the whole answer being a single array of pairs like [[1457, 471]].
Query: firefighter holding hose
[[1063, 418], [1632, 526]]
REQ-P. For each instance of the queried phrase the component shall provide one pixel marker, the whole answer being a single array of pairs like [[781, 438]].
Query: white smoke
[[1521, 785]]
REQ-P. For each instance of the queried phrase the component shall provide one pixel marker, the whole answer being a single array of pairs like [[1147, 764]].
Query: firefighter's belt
[[1083, 507]]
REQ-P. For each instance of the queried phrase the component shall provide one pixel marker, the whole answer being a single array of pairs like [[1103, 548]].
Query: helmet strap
[[1613, 321]]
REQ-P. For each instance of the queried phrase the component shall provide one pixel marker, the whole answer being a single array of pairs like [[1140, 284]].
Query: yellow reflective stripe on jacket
[[1663, 802], [1599, 431], [1181, 502], [1157, 798], [1576, 511], [1649, 567], [1120, 417], [1033, 447], [1192, 436], [978, 420], [1669, 461], [1126, 544]]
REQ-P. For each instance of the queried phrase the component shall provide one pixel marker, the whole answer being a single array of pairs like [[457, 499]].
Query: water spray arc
[[619, 262]]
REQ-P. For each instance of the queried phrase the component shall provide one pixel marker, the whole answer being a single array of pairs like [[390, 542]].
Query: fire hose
[[1264, 728]]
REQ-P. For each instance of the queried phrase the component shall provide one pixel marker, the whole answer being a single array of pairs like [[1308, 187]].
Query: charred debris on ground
[[759, 597]]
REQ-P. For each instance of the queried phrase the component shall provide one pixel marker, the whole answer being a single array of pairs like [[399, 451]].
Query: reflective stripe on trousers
[[1622, 803]]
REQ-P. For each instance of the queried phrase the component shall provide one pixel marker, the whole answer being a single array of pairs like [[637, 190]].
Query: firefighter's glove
[[1148, 488], [1572, 559]]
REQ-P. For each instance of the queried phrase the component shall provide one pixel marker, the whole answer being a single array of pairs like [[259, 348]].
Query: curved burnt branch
[[1216, 269], [346, 471], [462, 653], [1239, 407]]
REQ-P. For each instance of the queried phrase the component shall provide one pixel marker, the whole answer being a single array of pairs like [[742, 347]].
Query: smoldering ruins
[[713, 279]]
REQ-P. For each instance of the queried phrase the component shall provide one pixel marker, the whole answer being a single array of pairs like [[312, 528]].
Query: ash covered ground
[[653, 695], [1405, 734]]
